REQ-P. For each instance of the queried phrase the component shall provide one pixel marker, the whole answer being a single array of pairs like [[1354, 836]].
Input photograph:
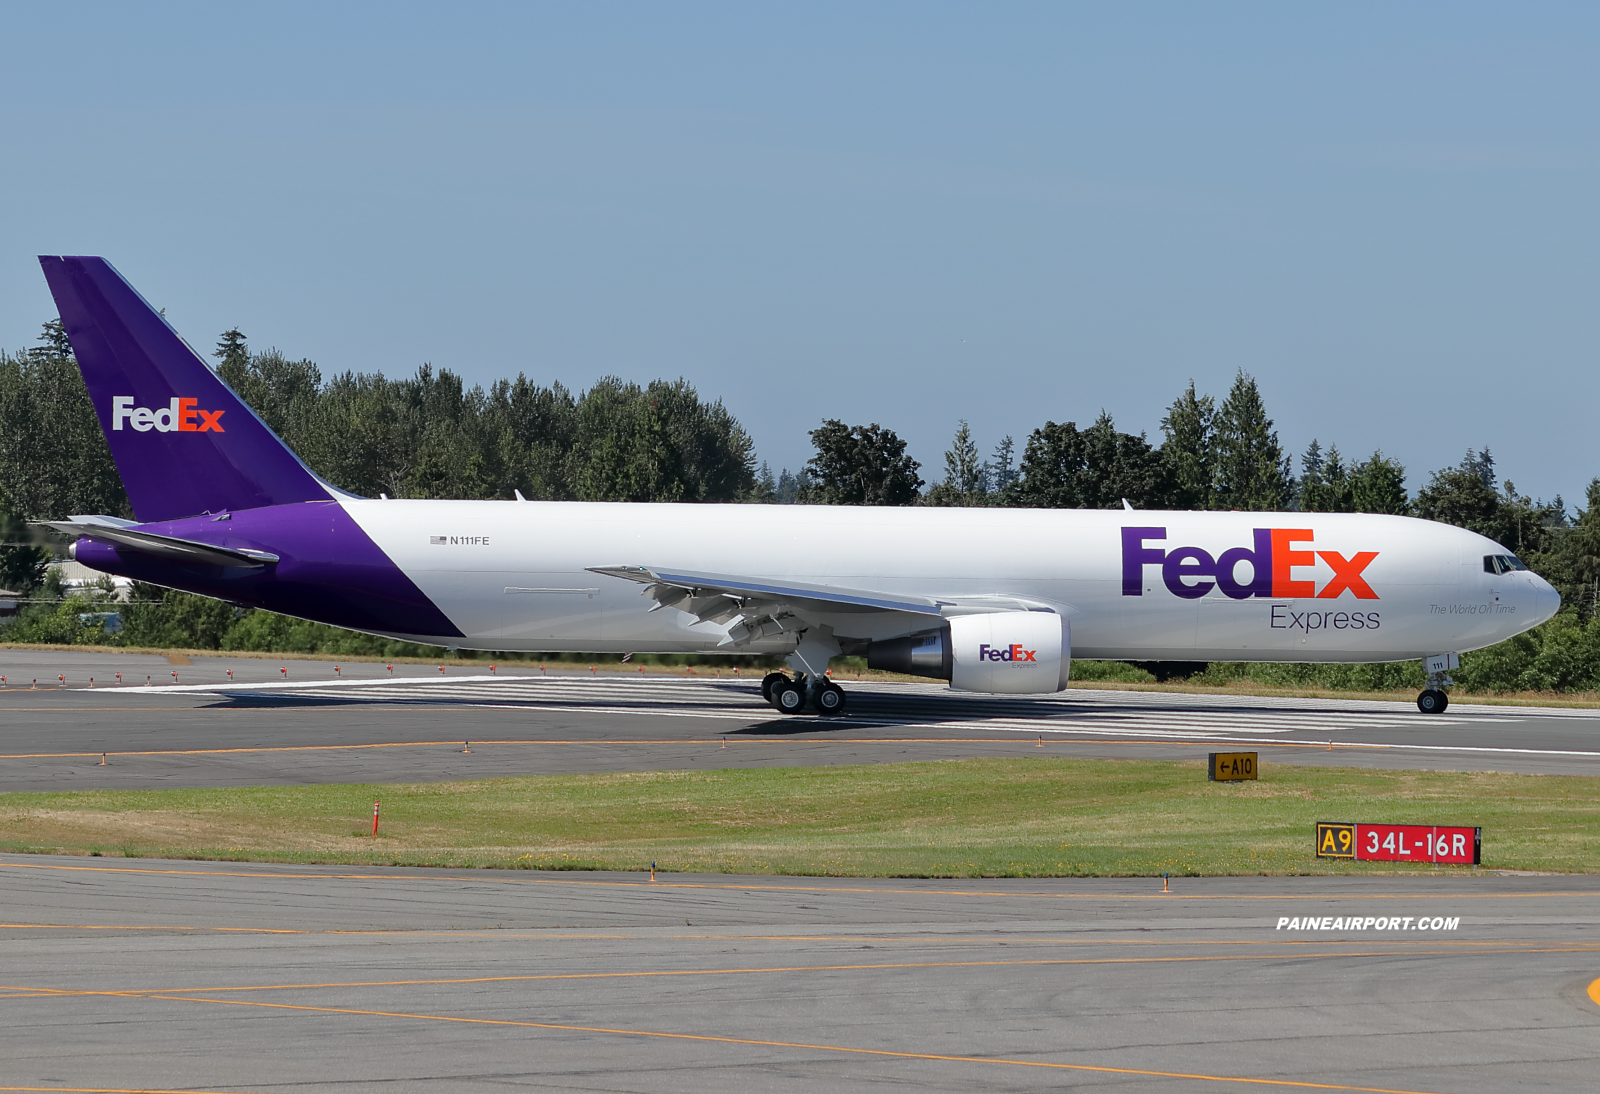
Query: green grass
[[970, 818]]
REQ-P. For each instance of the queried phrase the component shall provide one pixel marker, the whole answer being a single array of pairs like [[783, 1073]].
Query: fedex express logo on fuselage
[[1275, 555], [987, 652], [180, 416]]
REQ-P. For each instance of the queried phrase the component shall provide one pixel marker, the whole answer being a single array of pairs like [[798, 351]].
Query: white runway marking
[[1165, 716]]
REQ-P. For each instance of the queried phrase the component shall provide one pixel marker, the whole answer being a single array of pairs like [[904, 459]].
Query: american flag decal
[[435, 541]]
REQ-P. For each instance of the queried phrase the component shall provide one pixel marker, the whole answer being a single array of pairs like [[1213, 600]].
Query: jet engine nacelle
[[1009, 653]]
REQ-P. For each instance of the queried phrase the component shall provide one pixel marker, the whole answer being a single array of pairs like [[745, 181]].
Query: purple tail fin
[[183, 441]]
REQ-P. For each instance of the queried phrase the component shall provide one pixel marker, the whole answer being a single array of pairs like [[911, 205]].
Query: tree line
[[429, 435]]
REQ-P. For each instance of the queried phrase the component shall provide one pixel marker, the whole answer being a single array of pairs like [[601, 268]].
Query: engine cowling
[[1006, 653]]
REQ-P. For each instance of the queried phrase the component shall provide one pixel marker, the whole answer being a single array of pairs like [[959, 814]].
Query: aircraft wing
[[764, 607], [170, 548]]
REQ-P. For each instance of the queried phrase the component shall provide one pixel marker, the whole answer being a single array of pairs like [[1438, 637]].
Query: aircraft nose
[[1546, 601]]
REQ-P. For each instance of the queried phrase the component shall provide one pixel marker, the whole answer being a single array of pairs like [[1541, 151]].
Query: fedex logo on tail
[[987, 652], [179, 416], [1274, 557]]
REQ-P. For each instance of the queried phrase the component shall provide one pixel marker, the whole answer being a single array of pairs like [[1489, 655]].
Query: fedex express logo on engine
[[1273, 558], [179, 416], [1005, 653]]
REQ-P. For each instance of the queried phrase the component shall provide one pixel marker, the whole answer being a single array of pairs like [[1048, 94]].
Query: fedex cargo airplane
[[991, 600]]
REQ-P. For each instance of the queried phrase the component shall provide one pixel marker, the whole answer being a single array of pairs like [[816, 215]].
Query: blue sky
[[901, 213]]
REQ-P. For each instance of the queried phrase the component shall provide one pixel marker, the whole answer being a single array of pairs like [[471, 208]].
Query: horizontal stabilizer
[[170, 548]]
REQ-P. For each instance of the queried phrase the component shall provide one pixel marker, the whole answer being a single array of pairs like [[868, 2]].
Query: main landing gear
[[792, 696]]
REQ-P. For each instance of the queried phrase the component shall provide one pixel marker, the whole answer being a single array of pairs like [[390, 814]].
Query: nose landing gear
[[1433, 701]]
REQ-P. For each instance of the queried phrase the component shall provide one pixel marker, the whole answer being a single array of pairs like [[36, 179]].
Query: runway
[[309, 725], [230, 977]]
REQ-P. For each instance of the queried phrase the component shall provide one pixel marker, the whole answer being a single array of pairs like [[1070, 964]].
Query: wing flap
[[697, 584], [761, 608]]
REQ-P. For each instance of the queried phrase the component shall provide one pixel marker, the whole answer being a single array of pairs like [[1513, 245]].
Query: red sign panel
[[1418, 843]]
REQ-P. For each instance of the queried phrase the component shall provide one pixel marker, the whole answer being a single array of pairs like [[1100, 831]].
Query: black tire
[[829, 699], [789, 697], [768, 682], [1433, 701]]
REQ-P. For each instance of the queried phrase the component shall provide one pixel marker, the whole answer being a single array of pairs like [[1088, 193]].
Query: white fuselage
[[515, 575]]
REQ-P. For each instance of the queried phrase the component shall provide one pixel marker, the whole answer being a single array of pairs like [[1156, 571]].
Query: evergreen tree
[[789, 487], [53, 341], [22, 559], [1379, 486], [1190, 427], [1251, 472], [966, 478], [233, 352], [859, 465], [1480, 463], [1002, 467], [1308, 490], [54, 460], [1465, 496], [1064, 467], [766, 487], [1581, 551], [1324, 485]]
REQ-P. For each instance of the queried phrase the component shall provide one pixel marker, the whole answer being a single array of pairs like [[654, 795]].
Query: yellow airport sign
[[1227, 767], [1336, 840]]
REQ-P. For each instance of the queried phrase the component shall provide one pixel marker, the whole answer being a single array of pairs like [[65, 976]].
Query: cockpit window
[[1502, 564]]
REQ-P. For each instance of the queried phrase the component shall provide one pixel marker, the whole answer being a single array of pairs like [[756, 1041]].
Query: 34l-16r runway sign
[[1400, 842]]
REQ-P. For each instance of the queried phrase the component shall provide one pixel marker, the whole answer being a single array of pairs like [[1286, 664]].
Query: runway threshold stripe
[[511, 877], [704, 1038]]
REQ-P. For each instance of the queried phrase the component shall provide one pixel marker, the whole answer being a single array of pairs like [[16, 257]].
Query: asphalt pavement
[[296, 722], [147, 975]]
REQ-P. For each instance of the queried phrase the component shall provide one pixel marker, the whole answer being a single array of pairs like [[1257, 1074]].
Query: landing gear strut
[[809, 686], [1433, 699]]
